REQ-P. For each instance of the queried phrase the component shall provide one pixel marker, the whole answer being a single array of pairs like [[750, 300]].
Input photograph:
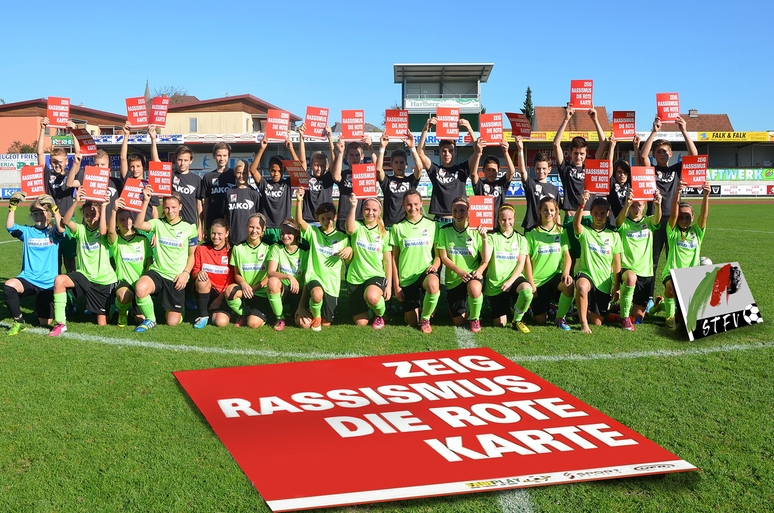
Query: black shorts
[[258, 306], [134, 309], [501, 303], [547, 293], [458, 299], [223, 306], [413, 293], [329, 302], [357, 301], [44, 298], [97, 296], [642, 288], [598, 301], [172, 300]]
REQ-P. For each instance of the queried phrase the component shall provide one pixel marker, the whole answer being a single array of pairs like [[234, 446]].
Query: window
[[192, 125]]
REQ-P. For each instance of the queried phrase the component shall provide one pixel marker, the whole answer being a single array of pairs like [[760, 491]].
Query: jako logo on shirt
[[246, 205], [186, 189]]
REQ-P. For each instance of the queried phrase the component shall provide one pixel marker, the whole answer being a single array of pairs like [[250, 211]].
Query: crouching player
[[176, 242], [600, 253], [287, 265], [213, 274], [247, 295]]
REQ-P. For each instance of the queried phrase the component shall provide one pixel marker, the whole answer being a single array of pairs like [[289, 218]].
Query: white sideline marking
[[7, 241], [464, 338]]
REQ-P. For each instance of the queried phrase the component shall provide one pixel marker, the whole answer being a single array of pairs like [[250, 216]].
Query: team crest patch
[[233, 198], [137, 249], [224, 259], [556, 238], [424, 232], [469, 242], [179, 233]]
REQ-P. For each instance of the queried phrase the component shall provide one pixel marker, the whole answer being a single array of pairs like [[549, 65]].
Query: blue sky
[[341, 55]]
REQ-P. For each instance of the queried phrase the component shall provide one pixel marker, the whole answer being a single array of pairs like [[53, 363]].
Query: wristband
[[12, 208], [54, 209], [381, 150]]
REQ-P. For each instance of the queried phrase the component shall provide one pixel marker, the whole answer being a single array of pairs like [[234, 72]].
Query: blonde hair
[[379, 220]]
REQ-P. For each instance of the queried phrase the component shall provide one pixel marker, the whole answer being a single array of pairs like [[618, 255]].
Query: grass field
[[95, 421]]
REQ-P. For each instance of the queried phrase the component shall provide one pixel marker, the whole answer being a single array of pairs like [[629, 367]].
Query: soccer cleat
[[279, 325], [613, 317], [378, 322], [475, 326], [424, 326], [122, 319], [520, 326], [316, 324], [58, 330], [649, 306], [626, 323], [16, 328], [562, 324], [670, 323], [146, 325], [201, 322], [241, 320]]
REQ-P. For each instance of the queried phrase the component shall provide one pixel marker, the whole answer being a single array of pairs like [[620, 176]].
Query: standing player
[[370, 273], [491, 185], [242, 202], [134, 166], [40, 262], [463, 250], [212, 275], [189, 186], [247, 295], [535, 189], [395, 186], [287, 265], [321, 182], [416, 263], [354, 154], [216, 185], [275, 193], [101, 159]]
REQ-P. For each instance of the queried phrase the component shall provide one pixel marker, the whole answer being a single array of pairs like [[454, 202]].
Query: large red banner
[[364, 180], [596, 177], [58, 112], [668, 107], [624, 128], [316, 120], [32, 182], [137, 112], [694, 171], [360, 430], [482, 212], [490, 128], [581, 94], [448, 123]]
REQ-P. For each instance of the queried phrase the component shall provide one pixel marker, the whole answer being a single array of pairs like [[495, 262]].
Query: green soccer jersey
[[92, 257], [130, 255], [415, 243], [596, 260], [289, 263], [324, 264], [684, 248], [546, 252], [368, 249], [170, 256], [463, 248], [504, 259], [637, 245], [252, 263]]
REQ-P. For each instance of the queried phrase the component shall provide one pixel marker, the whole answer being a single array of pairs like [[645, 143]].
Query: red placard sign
[[596, 176], [694, 170], [581, 94], [396, 123], [316, 120], [668, 107], [277, 123], [95, 182], [448, 125], [364, 180], [490, 128], [482, 212], [624, 125], [58, 112], [137, 112], [298, 175], [425, 424], [519, 124], [160, 178], [88, 146], [159, 108], [132, 194], [32, 181], [352, 125], [643, 183]]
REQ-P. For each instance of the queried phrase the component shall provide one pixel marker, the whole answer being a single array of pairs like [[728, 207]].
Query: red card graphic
[[643, 183], [624, 125], [137, 112], [316, 120], [396, 123], [277, 123], [596, 176], [581, 94], [352, 125], [694, 170], [482, 212], [364, 180], [490, 128], [58, 112], [160, 178], [159, 108], [95, 183], [32, 181], [88, 146], [132, 194], [668, 107], [298, 175], [519, 124], [448, 126]]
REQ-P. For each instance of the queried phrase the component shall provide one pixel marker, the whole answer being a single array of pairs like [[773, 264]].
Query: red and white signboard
[[481, 212], [519, 124], [137, 112], [95, 182], [596, 176], [364, 180], [132, 194], [58, 112], [160, 178], [159, 108], [668, 107], [490, 128], [360, 430], [770, 190], [352, 125], [448, 125], [277, 123], [581, 94], [316, 120], [694, 172], [298, 175], [624, 125], [396, 123], [643, 183], [32, 182], [86, 141]]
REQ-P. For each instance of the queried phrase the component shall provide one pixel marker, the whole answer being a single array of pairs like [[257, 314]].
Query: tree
[[18, 147], [528, 110], [175, 94]]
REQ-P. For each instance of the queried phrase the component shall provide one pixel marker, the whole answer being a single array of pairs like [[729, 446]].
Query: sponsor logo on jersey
[[90, 246], [326, 250], [412, 243], [600, 250], [505, 255], [637, 234], [252, 267], [455, 250], [369, 246], [399, 187], [689, 243], [215, 269], [246, 205], [289, 269], [170, 243], [184, 189], [39, 243], [128, 257], [547, 250], [220, 190]]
